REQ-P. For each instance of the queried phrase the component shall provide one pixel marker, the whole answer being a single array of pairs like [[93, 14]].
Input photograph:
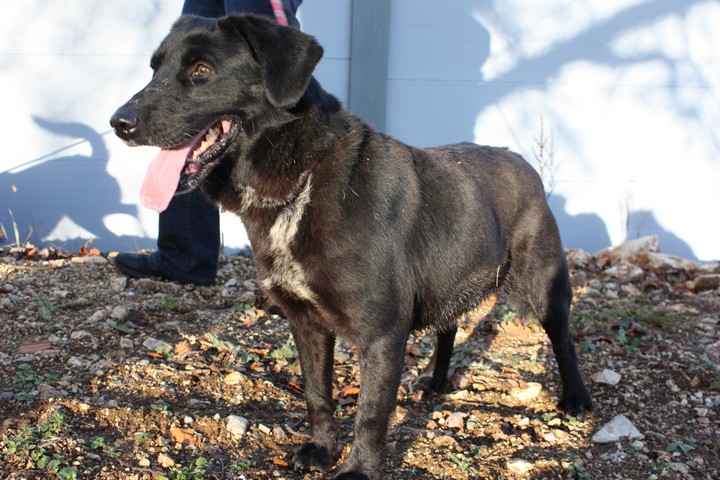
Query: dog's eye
[[201, 70]]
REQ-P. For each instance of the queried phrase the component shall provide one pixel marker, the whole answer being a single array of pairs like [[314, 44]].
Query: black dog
[[354, 233]]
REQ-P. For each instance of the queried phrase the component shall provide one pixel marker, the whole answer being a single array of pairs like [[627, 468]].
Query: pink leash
[[279, 11]]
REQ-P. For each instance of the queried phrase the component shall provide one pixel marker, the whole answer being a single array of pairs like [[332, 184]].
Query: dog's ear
[[287, 56]]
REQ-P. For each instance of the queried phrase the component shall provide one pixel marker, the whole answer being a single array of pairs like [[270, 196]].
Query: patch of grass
[[219, 344], [46, 309], [193, 472], [171, 303], [160, 406], [25, 381], [679, 447], [242, 465], [578, 472], [28, 447], [287, 352]]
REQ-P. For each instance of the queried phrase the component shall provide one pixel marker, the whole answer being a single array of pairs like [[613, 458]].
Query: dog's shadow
[[471, 354], [49, 196]]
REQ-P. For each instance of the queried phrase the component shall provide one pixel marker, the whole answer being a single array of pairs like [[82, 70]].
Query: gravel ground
[[107, 377]]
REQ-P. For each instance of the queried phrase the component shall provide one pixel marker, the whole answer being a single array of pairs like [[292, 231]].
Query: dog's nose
[[124, 121]]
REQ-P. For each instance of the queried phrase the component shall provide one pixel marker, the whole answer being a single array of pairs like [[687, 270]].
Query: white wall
[[66, 67], [627, 89]]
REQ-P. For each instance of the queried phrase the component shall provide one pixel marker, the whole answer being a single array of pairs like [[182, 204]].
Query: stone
[[529, 392], [95, 260], [519, 466], [120, 312], [153, 344], [97, 317], [578, 258], [628, 251], [237, 425], [234, 378], [606, 376], [705, 282], [118, 283], [617, 428]]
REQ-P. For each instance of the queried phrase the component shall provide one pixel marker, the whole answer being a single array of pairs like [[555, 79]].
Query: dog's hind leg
[[434, 376], [546, 293], [555, 320]]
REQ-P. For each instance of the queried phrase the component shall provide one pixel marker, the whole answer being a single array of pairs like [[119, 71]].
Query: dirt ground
[[107, 377]]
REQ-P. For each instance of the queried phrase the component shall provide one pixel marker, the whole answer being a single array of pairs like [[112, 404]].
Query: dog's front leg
[[381, 363], [315, 348]]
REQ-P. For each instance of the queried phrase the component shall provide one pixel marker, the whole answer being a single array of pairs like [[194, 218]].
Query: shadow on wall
[[586, 230], [74, 188], [642, 223], [461, 53]]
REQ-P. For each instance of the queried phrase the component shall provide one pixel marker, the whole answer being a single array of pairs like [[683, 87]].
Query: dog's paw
[[428, 384], [576, 404], [311, 456]]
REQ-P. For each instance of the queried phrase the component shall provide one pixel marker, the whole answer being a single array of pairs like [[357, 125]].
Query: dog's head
[[213, 79]]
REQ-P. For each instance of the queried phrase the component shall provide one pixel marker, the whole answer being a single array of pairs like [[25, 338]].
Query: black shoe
[[139, 265]]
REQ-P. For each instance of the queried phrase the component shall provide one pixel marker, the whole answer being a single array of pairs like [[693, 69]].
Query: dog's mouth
[[180, 168]]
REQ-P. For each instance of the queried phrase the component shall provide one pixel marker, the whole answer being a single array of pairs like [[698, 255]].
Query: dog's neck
[[252, 199]]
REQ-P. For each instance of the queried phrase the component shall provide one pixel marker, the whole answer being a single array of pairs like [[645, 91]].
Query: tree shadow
[[585, 230], [64, 190], [643, 222]]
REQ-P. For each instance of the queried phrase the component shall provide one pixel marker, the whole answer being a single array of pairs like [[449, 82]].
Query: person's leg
[[204, 8], [263, 7]]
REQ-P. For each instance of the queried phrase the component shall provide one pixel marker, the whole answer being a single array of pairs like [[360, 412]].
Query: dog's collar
[[252, 199]]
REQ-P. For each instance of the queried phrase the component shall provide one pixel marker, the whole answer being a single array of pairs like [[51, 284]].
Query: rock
[[126, 343], [237, 425], [234, 378], [578, 258], [46, 391], [144, 462], [120, 312], [628, 251], [165, 461], [279, 434], [529, 392], [95, 260], [97, 317], [607, 376], [624, 270], [444, 441], [118, 283], [153, 344], [617, 428], [705, 282], [663, 261], [519, 466]]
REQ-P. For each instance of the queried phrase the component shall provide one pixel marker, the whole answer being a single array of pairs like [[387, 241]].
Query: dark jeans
[[189, 233]]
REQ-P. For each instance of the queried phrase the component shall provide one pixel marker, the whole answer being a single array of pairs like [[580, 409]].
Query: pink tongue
[[162, 177]]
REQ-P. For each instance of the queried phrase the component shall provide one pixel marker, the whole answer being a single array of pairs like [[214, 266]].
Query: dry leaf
[[280, 462], [349, 390], [185, 436], [295, 386], [183, 348]]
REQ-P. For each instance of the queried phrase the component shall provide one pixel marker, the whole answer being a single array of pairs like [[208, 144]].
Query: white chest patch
[[286, 273]]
